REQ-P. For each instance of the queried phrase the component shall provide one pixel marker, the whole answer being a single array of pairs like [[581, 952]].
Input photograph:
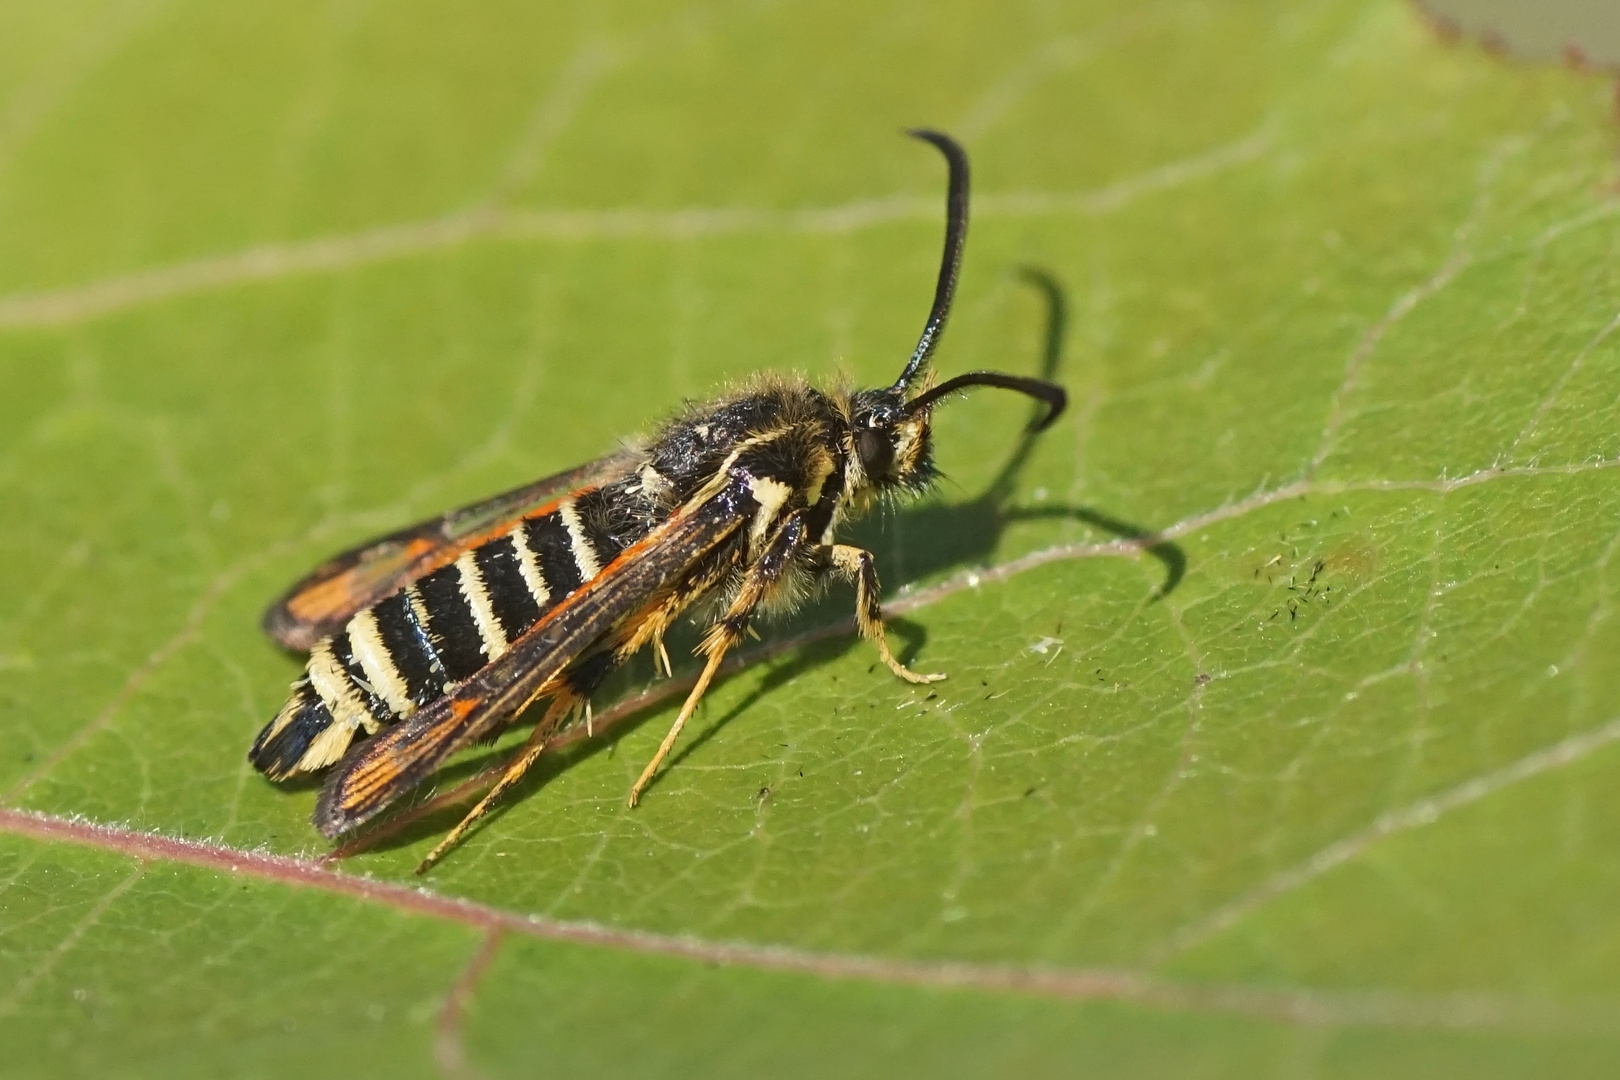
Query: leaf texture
[[1280, 733]]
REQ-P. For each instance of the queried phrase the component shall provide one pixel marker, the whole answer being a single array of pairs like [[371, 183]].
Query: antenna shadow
[[938, 536]]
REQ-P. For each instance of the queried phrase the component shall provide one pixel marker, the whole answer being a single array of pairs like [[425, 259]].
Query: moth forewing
[[323, 601]]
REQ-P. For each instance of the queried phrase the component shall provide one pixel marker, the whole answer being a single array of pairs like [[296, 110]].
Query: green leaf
[[1280, 734]]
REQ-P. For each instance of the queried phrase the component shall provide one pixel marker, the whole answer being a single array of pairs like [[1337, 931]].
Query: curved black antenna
[[1055, 397], [956, 219]]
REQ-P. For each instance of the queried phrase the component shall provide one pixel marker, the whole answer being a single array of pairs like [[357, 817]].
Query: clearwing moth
[[435, 637]]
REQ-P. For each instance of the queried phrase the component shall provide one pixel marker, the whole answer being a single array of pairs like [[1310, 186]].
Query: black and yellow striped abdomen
[[415, 645]]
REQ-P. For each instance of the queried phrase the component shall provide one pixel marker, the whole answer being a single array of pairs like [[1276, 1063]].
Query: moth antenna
[[1054, 396], [956, 221]]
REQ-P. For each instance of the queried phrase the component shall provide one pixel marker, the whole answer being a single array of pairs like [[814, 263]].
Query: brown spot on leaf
[[1356, 562]]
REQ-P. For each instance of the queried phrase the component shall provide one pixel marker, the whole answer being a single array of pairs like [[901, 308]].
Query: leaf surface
[[1280, 733]]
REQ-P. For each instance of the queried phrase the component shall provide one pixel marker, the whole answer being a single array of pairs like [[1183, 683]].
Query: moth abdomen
[[612, 518], [510, 596], [411, 648], [285, 741]]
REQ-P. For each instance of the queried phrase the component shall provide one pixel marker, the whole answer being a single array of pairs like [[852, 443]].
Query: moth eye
[[876, 453]]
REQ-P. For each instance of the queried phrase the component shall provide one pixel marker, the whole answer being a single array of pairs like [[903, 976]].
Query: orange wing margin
[[324, 601]]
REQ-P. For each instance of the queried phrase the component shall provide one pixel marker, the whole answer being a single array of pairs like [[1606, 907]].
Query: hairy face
[[890, 447]]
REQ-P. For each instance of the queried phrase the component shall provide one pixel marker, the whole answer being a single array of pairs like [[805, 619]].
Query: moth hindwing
[[437, 636]]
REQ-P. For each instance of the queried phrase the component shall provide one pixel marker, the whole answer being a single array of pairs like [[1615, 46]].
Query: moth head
[[891, 437], [890, 444]]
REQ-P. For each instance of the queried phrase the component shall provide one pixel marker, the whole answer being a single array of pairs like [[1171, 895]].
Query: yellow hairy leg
[[687, 709], [858, 565], [520, 763]]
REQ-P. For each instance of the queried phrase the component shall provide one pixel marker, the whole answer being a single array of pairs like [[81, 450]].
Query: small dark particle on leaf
[[1028, 792], [1201, 678], [764, 793], [931, 697]]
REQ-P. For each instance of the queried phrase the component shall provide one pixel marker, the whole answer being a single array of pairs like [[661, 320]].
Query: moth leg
[[858, 565], [519, 764], [692, 700], [765, 572]]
